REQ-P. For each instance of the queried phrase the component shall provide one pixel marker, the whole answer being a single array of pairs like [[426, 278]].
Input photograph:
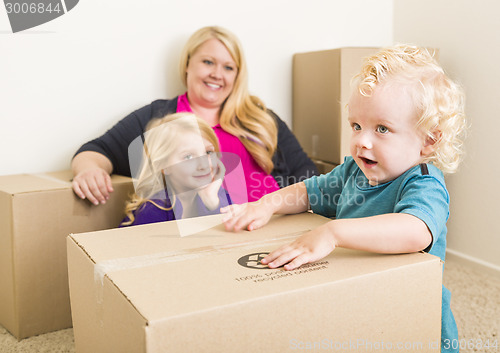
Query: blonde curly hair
[[439, 101]]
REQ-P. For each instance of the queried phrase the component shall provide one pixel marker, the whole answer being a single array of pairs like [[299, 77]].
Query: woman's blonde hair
[[439, 101], [242, 115], [161, 138]]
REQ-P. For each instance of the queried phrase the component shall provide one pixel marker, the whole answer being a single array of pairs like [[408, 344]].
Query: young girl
[[407, 119], [180, 175]]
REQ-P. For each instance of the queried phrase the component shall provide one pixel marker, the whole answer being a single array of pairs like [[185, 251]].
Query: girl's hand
[[210, 194], [311, 246], [249, 215]]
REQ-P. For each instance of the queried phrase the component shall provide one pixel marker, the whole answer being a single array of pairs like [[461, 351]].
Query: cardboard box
[[37, 213], [321, 89], [324, 167], [145, 289]]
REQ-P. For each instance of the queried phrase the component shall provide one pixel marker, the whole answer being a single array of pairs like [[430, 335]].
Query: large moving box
[[145, 289], [37, 213], [321, 90]]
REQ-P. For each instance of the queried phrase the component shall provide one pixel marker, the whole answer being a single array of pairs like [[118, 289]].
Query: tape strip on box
[[102, 268]]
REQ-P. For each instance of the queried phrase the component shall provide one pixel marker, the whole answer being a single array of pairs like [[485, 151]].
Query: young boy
[[390, 196]]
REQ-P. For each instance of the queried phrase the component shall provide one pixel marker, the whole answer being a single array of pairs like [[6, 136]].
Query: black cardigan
[[291, 163]]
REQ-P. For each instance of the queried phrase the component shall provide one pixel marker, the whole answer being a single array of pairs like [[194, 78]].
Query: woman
[[214, 71]]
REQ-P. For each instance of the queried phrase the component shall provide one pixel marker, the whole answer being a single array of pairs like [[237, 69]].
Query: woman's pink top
[[258, 183]]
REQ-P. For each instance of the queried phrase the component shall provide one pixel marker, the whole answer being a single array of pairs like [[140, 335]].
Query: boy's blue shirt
[[420, 191], [346, 193]]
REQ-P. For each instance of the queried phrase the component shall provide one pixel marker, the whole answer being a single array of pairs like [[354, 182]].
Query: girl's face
[[192, 165], [211, 74], [385, 141]]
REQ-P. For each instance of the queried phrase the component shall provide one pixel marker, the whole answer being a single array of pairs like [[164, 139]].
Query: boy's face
[[385, 142]]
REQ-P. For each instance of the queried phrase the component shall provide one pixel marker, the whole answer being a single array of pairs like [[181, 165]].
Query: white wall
[[466, 32], [70, 79]]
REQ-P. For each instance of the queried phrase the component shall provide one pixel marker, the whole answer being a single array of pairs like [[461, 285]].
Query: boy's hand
[[311, 246], [290, 200], [251, 216]]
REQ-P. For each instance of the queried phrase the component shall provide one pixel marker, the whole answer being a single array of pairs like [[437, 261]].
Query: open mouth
[[368, 162]]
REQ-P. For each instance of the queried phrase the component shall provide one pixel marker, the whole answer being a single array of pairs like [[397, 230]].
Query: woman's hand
[[91, 177], [311, 246], [94, 185]]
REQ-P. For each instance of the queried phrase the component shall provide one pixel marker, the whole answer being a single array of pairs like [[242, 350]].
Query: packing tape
[[80, 207], [51, 178], [102, 268]]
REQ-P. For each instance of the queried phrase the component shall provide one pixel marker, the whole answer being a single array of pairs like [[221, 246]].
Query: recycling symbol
[[253, 260]]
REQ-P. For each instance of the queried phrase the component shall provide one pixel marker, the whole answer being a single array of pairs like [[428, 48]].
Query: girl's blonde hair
[[161, 138], [439, 101], [242, 115]]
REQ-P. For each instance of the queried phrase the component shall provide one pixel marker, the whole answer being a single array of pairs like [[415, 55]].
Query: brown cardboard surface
[[190, 294], [7, 299], [321, 90], [324, 167], [17, 184], [37, 213]]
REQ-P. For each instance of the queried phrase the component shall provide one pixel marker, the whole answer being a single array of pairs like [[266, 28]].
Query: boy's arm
[[392, 233], [290, 200]]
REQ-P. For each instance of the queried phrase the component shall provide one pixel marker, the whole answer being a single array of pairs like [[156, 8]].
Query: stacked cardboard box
[[37, 214], [321, 90], [146, 289]]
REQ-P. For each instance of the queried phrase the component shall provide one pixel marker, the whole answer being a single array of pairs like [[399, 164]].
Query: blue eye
[[356, 127], [208, 62], [188, 156], [382, 129], [229, 68]]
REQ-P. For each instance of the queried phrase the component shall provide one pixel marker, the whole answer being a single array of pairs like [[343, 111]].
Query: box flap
[[16, 184], [22, 183], [163, 237]]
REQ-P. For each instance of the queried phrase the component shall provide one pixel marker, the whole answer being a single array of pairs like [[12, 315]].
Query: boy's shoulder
[[424, 177], [424, 170]]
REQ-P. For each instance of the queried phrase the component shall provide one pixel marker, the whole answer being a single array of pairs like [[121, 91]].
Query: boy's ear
[[429, 145]]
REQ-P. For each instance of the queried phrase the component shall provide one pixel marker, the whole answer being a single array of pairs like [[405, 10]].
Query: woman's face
[[211, 74]]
